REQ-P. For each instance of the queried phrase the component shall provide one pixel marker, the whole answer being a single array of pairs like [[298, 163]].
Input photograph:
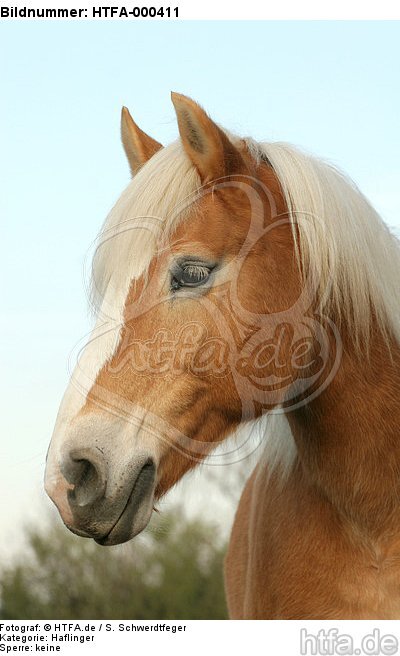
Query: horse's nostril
[[85, 470], [144, 481]]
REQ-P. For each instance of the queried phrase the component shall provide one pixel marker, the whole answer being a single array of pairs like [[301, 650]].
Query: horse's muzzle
[[98, 502]]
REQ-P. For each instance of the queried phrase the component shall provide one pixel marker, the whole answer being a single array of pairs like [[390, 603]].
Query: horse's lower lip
[[136, 512], [78, 531], [120, 526]]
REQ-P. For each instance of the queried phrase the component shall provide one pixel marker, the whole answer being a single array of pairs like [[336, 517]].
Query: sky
[[332, 88]]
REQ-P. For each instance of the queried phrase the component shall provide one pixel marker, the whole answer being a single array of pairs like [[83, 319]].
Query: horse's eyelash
[[197, 268]]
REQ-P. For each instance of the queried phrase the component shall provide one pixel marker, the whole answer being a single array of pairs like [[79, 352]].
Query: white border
[[231, 10]]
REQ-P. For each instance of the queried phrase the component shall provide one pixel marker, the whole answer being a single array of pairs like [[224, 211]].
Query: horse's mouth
[[131, 520], [137, 511]]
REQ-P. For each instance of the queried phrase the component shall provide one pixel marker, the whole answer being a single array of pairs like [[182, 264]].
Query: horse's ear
[[138, 146], [207, 145]]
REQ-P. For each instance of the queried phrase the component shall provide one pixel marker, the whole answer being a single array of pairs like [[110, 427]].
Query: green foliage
[[173, 571]]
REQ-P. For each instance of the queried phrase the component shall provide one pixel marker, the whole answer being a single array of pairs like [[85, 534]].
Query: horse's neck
[[348, 438]]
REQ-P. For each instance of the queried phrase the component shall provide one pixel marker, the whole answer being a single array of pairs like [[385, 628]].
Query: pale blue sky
[[330, 87]]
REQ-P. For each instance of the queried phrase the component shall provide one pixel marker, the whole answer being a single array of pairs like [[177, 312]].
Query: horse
[[240, 288]]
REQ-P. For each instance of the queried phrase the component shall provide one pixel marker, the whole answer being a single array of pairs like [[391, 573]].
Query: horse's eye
[[190, 275]]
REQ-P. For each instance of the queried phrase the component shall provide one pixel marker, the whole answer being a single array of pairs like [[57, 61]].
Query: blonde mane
[[154, 202], [350, 256]]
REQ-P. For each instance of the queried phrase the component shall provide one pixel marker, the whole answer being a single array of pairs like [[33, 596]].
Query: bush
[[173, 571]]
